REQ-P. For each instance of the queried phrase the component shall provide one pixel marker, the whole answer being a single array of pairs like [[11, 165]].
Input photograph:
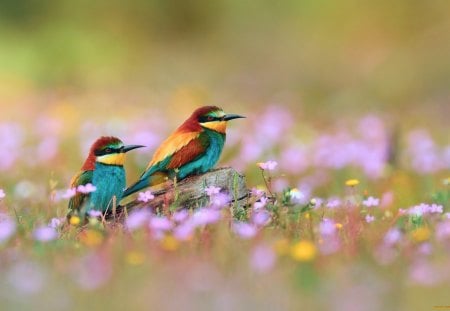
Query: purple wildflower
[[45, 234], [371, 201], [145, 196], [160, 223], [297, 196], [268, 166], [327, 227], [180, 215], [443, 230], [261, 218], [184, 231], [258, 192], [69, 193], [423, 209], [94, 213], [205, 216], [370, 218], [137, 219], [262, 258], [212, 190], [220, 200], [55, 223], [392, 237], [7, 227], [88, 188], [261, 203], [333, 203], [244, 230]]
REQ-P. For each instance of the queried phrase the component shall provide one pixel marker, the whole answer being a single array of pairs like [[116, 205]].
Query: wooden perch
[[190, 192]]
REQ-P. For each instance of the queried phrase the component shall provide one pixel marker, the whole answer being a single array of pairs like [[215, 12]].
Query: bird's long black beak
[[231, 116], [131, 147]]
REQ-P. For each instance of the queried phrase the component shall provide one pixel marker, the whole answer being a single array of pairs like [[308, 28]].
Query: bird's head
[[108, 150], [213, 118]]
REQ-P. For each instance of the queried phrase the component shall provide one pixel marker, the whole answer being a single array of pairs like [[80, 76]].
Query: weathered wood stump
[[190, 192]]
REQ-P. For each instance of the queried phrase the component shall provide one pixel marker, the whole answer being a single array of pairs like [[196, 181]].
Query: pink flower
[[45, 234], [333, 203], [180, 216], [145, 196], [184, 231], [137, 219], [205, 216], [160, 223], [443, 230], [267, 166], [327, 227], [369, 218], [257, 192], [220, 200], [371, 201], [2, 193], [55, 223], [7, 227], [261, 203], [261, 218], [211, 190], [88, 188], [392, 237], [69, 193], [262, 258], [95, 213], [244, 230]]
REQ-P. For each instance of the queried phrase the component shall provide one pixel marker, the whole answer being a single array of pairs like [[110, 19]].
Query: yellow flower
[[135, 258], [74, 220], [169, 243], [303, 251], [281, 247], [421, 234], [307, 216], [91, 237], [352, 182], [338, 225]]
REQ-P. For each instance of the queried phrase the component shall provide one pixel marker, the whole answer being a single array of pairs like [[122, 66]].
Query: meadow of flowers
[[345, 150], [344, 217]]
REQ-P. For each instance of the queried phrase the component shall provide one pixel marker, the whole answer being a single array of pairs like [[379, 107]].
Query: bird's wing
[[82, 178], [171, 146], [189, 152], [175, 151]]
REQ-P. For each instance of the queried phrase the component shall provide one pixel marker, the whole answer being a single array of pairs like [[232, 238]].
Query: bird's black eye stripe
[[107, 150], [204, 119]]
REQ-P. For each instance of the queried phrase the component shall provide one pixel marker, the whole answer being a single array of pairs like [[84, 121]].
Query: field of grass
[[345, 148]]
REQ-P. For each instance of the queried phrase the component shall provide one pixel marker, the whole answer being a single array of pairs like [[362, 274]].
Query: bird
[[103, 169], [194, 148]]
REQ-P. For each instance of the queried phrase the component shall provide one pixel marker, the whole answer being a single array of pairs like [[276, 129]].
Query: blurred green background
[[333, 58]]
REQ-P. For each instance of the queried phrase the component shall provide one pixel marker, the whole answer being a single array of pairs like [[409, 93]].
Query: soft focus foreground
[[345, 146]]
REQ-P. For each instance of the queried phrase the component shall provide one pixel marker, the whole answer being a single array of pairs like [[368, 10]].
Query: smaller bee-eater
[[104, 169], [194, 148]]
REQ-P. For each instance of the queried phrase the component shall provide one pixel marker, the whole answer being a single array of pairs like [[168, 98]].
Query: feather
[[82, 178], [171, 145]]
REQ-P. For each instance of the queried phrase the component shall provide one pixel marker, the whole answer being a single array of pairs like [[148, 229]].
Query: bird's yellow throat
[[112, 159], [218, 126]]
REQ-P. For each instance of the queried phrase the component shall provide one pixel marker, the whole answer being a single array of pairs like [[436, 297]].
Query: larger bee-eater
[[194, 148], [103, 168]]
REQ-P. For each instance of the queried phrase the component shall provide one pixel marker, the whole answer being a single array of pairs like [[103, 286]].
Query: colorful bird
[[194, 148], [103, 169]]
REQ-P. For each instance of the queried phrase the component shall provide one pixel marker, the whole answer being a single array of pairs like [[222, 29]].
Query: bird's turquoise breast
[[208, 159], [110, 182]]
